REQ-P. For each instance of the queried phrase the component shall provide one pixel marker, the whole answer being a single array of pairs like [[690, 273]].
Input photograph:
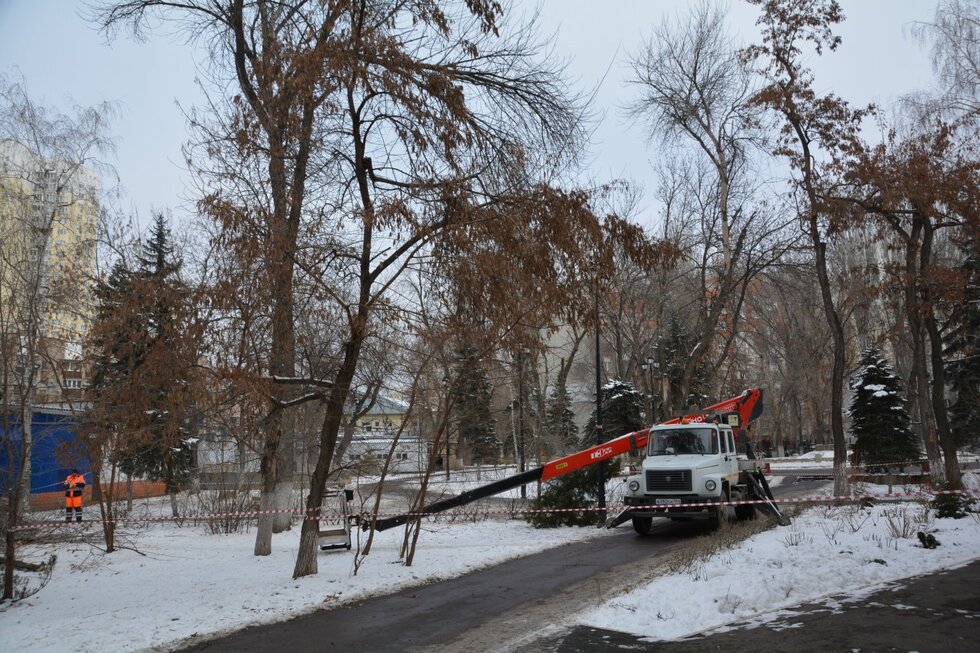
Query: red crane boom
[[738, 412]]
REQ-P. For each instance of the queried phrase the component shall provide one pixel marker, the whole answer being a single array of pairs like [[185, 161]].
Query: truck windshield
[[684, 441]]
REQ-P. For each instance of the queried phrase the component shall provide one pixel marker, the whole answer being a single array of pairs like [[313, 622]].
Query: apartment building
[[48, 226]]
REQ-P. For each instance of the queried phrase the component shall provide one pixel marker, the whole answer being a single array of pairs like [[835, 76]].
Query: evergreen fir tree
[[963, 349], [671, 354], [560, 420], [160, 269], [526, 391], [471, 408], [621, 408], [138, 382], [116, 350], [879, 414]]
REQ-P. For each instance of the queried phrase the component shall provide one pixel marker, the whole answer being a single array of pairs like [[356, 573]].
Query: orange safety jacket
[[74, 485]]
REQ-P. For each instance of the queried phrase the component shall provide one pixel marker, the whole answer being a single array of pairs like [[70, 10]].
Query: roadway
[[500, 608]]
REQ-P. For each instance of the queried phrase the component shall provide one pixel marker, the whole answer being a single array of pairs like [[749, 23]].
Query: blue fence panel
[[57, 448]]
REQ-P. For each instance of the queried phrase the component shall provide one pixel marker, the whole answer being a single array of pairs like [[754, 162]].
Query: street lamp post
[[445, 392], [648, 368], [521, 460], [601, 467]]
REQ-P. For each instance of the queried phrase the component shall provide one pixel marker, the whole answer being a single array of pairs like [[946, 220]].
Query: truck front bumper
[[649, 506]]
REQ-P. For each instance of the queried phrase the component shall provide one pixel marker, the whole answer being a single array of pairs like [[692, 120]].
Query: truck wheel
[[716, 517], [642, 525], [719, 513]]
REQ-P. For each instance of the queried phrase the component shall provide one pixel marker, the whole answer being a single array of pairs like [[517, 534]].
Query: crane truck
[[693, 467]]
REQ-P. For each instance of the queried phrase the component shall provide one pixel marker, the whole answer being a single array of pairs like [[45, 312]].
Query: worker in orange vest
[[74, 485]]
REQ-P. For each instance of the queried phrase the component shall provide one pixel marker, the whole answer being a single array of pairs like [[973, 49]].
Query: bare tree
[[785, 347], [954, 38], [810, 124], [695, 93], [281, 56], [917, 187], [48, 186], [404, 104]]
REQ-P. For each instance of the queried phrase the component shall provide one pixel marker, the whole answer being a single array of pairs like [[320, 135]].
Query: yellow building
[[48, 227], [386, 416]]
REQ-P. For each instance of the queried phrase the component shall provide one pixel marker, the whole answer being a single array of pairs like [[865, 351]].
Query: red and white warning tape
[[337, 518], [848, 465]]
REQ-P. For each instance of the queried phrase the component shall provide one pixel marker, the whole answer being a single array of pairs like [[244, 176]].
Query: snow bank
[[825, 551], [185, 583]]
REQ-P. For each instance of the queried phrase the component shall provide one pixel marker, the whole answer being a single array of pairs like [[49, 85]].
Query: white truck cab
[[684, 464]]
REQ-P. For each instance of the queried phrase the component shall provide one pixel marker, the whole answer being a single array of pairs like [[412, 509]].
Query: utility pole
[[521, 462], [601, 467], [445, 395]]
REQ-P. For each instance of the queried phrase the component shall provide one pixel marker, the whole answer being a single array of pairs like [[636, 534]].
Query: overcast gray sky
[[63, 59]]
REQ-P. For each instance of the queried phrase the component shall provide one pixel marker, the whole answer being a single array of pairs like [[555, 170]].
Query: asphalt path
[[499, 608]]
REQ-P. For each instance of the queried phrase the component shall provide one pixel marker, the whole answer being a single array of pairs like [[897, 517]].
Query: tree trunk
[[840, 352], [306, 558], [105, 503], [938, 396], [269, 470], [27, 433], [282, 496], [946, 439], [342, 447], [414, 525], [920, 372], [174, 509], [10, 544], [914, 311], [287, 199]]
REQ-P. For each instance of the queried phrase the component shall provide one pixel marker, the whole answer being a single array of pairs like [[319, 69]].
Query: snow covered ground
[[827, 550], [184, 582], [181, 584], [825, 459]]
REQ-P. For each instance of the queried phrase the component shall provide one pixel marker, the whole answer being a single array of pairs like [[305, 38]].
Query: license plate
[[667, 502]]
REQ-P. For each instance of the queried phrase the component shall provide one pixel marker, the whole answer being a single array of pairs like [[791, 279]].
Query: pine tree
[[116, 349], [963, 349], [525, 391], [167, 456], [671, 353], [622, 405], [622, 408], [560, 420], [471, 408], [142, 363], [879, 414], [160, 269]]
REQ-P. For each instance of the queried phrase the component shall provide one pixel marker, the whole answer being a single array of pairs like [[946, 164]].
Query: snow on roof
[[388, 406]]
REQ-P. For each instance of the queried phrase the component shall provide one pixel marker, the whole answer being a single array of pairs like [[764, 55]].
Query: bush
[[563, 495], [955, 506]]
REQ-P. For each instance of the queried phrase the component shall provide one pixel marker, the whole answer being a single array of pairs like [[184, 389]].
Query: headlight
[[634, 486], [710, 485]]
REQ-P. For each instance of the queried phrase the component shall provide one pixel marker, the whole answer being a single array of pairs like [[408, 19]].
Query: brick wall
[[141, 489]]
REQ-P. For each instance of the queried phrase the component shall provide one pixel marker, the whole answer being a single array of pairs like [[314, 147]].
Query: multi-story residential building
[[48, 223]]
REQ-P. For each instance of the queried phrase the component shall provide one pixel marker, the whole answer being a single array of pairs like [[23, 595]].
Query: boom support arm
[[747, 407]]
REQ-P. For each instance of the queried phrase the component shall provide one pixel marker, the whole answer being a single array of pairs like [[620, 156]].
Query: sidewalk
[[938, 612]]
